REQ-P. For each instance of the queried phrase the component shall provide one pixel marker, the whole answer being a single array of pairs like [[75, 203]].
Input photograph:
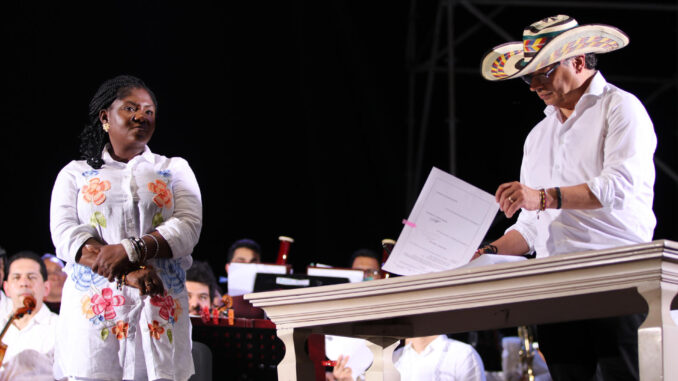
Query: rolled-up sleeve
[[628, 153], [68, 232], [182, 229]]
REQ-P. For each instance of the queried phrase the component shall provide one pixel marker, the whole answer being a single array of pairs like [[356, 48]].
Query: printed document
[[444, 229]]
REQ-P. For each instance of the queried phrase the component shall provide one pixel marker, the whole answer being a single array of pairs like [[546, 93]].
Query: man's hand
[[146, 280], [341, 371], [111, 262], [514, 195]]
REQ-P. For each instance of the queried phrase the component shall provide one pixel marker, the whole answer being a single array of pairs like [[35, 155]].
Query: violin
[[29, 306]]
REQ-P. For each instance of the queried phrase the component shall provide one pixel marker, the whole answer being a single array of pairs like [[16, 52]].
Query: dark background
[[294, 114]]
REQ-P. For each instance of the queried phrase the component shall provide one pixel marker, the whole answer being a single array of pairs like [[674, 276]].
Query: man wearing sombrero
[[586, 180]]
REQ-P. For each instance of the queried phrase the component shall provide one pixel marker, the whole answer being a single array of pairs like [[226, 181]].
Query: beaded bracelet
[[122, 281], [491, 249], [542, 201]]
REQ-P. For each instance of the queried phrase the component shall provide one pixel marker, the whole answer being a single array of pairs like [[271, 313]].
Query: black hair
[[245, 242], [93, 138], [591, 60], [27, 254], [364, 253], [3, 256], [201, 272]]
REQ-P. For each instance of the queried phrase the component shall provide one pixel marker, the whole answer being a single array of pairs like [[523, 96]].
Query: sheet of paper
[[359, 355], [241, 276], [444, 229], [352, 275]]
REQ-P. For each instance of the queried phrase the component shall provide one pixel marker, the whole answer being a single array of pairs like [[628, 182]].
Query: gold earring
[[106, 126]]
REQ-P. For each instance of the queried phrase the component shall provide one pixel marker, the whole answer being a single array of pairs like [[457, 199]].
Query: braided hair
[[93, 138]]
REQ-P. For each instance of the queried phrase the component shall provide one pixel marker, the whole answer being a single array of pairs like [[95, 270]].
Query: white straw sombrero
[[547, 41]]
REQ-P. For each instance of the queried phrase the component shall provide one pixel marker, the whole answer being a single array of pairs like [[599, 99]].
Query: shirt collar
[[41, 317], [595, 89], [108, 159], [436, 344]]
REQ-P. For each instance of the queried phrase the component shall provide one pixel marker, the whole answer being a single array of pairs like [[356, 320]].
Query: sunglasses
[[541, 77]]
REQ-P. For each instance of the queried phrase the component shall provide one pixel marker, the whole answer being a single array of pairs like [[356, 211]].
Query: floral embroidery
[[105, 302], [120, 329], [163, 195], [97, 219], [156, 329], [177, 311], [94, 191], [89, 173], [166, 304], [87, 307], [157, 220], [171, 273], [96, 320], [84, 278], [104, 333], [165, 173]]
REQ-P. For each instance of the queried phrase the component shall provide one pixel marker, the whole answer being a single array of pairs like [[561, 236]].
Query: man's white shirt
[[442, 360], [37, 335]]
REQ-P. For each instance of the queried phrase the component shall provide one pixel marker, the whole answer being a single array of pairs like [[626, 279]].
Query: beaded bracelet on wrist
[[542, 201], [487, 249]]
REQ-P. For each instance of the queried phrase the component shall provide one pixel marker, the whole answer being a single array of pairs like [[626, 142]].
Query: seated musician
[[30, 338], [438, 358], [203, 292], [369, 262], [243, 251], [200, 284], [56, 276]]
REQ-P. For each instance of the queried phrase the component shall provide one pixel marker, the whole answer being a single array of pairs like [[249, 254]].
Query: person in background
[[438, 357], [243, 251], [56, 276], [200, 284], [368, 261], [30, 338]]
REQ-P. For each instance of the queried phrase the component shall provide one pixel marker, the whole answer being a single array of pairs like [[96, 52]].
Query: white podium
[[631, 279]]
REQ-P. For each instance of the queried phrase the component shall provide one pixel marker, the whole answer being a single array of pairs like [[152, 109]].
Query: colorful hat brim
[[506, 61]]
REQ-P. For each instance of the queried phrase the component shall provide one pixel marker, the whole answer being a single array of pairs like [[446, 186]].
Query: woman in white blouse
[[125, 220]]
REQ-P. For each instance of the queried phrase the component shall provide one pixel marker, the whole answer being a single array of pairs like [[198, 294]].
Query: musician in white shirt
[[30, 336], [438, 358]]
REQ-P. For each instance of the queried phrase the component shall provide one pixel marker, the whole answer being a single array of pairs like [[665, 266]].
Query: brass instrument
[[527, 353]]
